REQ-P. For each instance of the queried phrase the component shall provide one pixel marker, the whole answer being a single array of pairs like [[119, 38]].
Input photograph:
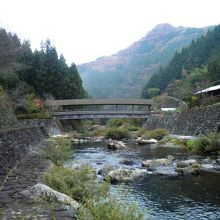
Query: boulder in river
[[193, 170], [188, 167], [125, 175], [116, 145], [105, 170], [158, 162], [186, 163], [127, 162], [141, 140]]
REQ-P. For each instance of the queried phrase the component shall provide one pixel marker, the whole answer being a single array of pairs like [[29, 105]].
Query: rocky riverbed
[[175, 177]]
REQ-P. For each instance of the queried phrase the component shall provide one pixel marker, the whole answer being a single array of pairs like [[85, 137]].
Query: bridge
[[99, 108]]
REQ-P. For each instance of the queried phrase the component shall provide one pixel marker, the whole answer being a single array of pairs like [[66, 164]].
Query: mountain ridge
[[128, 70]]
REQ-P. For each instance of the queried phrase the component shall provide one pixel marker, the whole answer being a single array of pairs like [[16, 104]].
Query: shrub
[[117, 133], [58, 150], [157, 134], [41, 115], [111, 208], [80, 183], [96, 132], [132, 128], [141, 131], [205, 144], [118, 122]]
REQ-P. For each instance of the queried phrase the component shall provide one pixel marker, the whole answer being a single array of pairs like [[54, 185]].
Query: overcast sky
[[84, 30]]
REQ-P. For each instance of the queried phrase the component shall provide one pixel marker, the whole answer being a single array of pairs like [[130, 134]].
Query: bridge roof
[[78, 102]]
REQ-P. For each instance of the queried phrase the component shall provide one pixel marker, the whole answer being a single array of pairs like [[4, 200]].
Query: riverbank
[[16, 194], [14, 204]]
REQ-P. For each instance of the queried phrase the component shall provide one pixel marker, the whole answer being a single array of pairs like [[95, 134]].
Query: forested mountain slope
[[198, 62], [124, 74]]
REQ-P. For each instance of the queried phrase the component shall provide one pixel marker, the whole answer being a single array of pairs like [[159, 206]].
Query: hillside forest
[[27, 76], [192, 69]]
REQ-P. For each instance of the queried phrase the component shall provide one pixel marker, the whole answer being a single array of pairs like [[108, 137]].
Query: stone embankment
[[14, 144], [197, 121]]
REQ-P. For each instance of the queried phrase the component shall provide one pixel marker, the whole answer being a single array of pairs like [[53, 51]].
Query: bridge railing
[[81, 108]]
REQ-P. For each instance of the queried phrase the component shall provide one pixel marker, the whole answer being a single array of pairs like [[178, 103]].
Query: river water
[[160, 196]]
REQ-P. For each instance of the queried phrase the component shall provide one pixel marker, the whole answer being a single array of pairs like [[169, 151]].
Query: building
[[209, 95]]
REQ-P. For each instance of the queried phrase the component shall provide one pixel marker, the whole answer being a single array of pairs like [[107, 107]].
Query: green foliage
[[41, 115], [150, 93], [58, 150], [157, 134], [47, 73], [97, 132], [119, 122], [111, 208], [80, 183], [8, 80], [30, 104], [141, 131], [1, 92], [117, 133], [205, 144]]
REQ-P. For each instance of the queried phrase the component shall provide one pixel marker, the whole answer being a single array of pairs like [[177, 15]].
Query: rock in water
[[125, 175], [116, 145], [141, 140]]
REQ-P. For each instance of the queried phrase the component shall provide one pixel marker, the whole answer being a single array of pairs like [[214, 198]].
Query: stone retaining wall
[[50, 125], [7, 116], [14, 144], [192, 122]]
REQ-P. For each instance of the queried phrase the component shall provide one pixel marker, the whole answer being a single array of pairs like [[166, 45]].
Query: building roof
[[213, 88]]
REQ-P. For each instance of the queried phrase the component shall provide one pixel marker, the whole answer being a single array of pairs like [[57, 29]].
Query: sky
[[83, 30]]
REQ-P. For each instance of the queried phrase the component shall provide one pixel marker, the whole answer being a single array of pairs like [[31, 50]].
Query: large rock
[[158, 162], [116, 145], [186, 163], [127, 162], [141, 140], [125, 175], [105, 170], [43, 190], [192, 170], [186, 167]]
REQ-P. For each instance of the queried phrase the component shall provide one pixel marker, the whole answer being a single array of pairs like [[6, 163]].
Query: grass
[[79, 184], [117, 133], [58, 150], [157, 134], [175, 141], [111, 208], [204, 144]]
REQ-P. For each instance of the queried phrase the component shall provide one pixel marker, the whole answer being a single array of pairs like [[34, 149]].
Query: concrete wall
[[192, 122], [15, 143]]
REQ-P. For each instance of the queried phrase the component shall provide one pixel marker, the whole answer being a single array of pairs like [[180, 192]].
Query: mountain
[[200, 54], [124, 74]]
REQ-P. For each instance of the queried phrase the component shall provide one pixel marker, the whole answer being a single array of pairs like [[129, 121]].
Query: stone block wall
[[7, 116], [14, 144], [195, 121]]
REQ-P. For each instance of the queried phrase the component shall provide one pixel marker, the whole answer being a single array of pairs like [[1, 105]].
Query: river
[[160, 196]]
